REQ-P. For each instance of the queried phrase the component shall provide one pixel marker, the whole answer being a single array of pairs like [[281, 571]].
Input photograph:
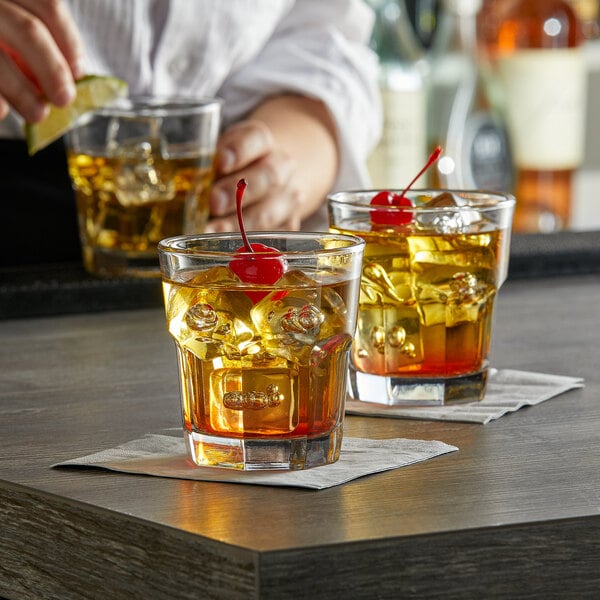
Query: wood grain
[[514, 514]]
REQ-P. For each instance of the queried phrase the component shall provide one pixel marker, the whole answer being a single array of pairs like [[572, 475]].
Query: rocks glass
[[262, 366], [141, 170], [430, 276]]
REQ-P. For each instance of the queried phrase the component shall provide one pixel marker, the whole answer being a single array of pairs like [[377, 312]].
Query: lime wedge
[[93, 92]]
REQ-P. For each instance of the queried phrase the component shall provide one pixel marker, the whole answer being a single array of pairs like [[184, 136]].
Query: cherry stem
[[239, 194], [432, 158]]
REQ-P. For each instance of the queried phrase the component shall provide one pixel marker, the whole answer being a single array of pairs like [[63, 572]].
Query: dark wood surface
[[514, 514]]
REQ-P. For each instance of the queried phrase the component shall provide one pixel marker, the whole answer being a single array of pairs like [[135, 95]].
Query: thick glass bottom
[[250, 454], [105, 262], [405, 391]]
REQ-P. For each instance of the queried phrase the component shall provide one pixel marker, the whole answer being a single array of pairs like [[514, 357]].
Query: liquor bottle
[[538, 52], [588, 12], [402, 148], [462, 118]]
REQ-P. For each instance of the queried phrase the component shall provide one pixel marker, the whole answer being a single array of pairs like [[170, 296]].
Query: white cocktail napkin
[[165, 456], [507, 391]]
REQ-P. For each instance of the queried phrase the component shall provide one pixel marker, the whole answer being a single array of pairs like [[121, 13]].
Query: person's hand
[[272, 200], [40, 56]]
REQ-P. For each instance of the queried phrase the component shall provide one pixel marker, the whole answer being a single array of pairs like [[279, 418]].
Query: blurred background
[[508, 88]]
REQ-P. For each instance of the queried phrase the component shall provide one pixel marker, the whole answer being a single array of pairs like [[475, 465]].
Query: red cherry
[[263, 266], [385, 198], [390, 217], [259, 263]]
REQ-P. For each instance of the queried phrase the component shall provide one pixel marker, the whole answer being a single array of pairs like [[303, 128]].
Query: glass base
[[254, 454], [405, 391], [105, 262]]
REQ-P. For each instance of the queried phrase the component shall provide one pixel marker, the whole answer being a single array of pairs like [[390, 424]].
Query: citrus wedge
[[93, 92]]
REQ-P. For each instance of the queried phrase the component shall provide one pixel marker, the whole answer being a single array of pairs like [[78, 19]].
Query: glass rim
[[175, 245], [357, 198], [160, 106]]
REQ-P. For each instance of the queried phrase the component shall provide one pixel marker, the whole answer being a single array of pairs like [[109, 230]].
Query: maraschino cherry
[[385, 198], [259, 264]]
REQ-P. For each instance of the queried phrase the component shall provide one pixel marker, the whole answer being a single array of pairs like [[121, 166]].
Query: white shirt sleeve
[[243, 51], [319, 49]]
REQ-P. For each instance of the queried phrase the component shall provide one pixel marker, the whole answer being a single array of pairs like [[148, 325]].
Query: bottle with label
[[462, 118], [402, 148], [537, 49]]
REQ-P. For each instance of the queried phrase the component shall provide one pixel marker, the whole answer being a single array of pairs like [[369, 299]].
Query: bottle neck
[[393, 37], [459, 24], [467, 32]]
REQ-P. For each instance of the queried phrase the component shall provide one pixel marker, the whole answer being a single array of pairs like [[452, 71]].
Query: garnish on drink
[[259, 264], [93, 92], [263, 364], [386, 198]]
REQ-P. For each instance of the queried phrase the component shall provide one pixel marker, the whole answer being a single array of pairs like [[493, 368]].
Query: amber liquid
[[544, 200], [271, 369], [544, 195], [126, 206], [426, 302]]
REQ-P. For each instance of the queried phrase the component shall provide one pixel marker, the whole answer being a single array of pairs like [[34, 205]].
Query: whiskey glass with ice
[[432, 268], [141, 170], [262, 366]]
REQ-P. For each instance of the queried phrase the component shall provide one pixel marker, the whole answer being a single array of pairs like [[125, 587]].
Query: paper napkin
[[165, 456], [507, 390]]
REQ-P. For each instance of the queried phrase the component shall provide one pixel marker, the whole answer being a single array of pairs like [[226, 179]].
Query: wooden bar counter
[[515, 513]]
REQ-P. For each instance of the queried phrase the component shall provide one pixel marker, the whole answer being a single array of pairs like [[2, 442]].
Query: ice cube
[[325, 348], [215, 275], [201, 317], [434, 258], [335, 314], [194, 287], [464, 287], [304, 320], [388, 338], [289, 327], [288, 319], [469, 297], [254, 401], [377, 286], [444, 199], [450, 221], [209, 331], [210, 320], [141, 172], [456, 300], [297, 283]]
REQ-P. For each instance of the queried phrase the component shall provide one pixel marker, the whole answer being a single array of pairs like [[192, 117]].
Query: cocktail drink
[[432, 268], [262, 359], [141, 171]]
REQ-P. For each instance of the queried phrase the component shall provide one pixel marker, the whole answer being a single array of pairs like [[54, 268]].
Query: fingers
[[63, 29], [4, 108], [18, 91], [266, 176], [41, 55], [247, 150], [272, 213], [242, 144], [269, 200]]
